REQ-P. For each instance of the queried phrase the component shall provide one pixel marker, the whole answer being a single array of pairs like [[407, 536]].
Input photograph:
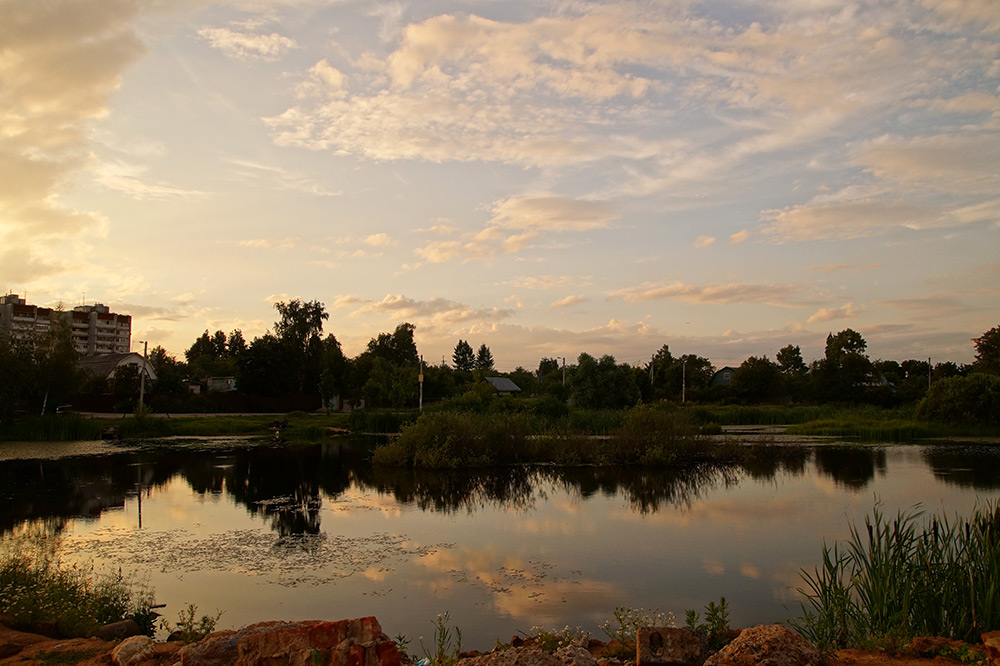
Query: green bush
[[972, 400], [440, 440], [655, 436]]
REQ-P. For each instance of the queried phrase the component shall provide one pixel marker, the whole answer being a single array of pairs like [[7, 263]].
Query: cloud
[[739, 237], [704, 241], [553, 213], [130, 179], [548, 281], [60, 66], [851, 219], [286, 243], [714, 294], [959, 163], [830, 314], [434, 312], [247, 45], [569, 301], [377, 240]]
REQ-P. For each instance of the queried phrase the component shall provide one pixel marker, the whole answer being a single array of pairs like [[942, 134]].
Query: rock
[[767, 645], [575, 655], [117, 631], [357, 642], [668, 646], [12, 642], [520, 656], [133, 650], [992, 642]]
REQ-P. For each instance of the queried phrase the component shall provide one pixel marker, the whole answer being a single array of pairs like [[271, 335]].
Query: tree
[[57, 371], [334, 373], [603, 384], [988, 352], [484, 359], [17, 375], [237, 345], [169, 372], [125, 388], [757, 380], [299, 329], [790, 361], [398, 348], [463, 357], [845, 373], [263, 369]]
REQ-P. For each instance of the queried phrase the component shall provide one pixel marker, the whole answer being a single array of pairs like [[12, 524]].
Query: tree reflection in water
[[288, 485]]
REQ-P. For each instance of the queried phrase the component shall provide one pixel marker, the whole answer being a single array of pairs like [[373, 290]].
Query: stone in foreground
[[668, 646], [358, 642], [767, 645]]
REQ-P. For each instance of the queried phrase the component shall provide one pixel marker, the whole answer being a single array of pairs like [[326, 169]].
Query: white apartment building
[[96, 330]]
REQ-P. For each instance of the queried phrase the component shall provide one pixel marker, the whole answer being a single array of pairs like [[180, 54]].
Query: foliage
[[655, 436], [897, 579], [716, 624], [626, 622], [603, 384], [484, 359], [189, 629], [463, 357], [36, 587], [988, 351], [790, 361], [963, 400], [398, 348], [869, 430], [447, 642], [550, 640], [448, 440], [757, 380]]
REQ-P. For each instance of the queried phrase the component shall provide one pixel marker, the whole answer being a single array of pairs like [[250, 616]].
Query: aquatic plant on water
[[898, 578]]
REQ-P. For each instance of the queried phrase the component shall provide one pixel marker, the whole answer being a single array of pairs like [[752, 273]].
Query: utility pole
[[142, 374], [564, 370], [420, 378], [683, 380], [929, 368]]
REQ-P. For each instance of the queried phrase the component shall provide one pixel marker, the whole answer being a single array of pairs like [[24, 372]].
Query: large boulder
[[12, 642], [133, 650], [992, 642], [767, 645], [358, 642]]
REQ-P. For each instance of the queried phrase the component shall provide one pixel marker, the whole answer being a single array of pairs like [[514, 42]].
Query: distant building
[[503, 385], [96, 330], [104, 365], [723, 377]]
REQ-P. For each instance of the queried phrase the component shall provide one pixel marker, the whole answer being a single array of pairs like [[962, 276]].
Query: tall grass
[[892, 430], [37, 590], [898, 578]]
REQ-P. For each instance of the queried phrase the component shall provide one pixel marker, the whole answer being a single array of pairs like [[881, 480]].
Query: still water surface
[[317, 532]]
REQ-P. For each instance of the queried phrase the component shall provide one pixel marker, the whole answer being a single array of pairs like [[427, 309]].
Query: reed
[[898, 578]]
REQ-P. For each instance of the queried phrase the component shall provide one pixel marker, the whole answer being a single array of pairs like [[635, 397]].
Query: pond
[[316, 532]]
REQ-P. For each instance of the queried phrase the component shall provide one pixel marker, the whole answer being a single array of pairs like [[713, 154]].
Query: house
[[221, 384], [503, 385], [104, 365], [723, 377]]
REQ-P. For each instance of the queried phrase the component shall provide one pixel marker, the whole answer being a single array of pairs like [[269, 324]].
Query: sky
[[545, 178]]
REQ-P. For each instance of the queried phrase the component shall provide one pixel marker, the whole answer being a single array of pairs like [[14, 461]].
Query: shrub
[[651, 435], [971, 400], [36, 588]]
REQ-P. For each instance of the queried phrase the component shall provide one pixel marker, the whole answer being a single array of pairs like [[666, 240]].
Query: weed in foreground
[[190, 630], [447, 642], [715, 626]]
